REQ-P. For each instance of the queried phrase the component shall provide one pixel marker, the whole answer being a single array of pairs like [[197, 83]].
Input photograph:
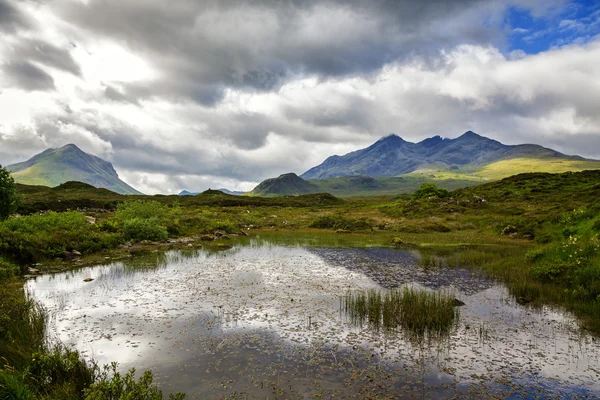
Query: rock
[[528, 236], [242, 233], [90, 220], [522, 300], [88, 279], [76, 253], [67, 255], [457, 303], [397, 240], [219, 233], [509, 229], [207, 238], [33, 270]]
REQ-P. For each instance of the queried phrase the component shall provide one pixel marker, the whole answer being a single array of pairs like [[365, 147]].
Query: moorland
[[538, 233]]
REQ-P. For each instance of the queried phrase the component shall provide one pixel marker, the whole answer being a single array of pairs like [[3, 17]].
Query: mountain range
[[53, 167], [393, 156], [393, 165]]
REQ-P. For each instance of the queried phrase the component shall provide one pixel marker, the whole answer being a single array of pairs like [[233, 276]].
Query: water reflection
[[263, 319]]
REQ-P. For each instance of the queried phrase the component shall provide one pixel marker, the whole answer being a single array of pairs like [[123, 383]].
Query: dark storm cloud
[[28, 76], [47, 54], [201, 48]]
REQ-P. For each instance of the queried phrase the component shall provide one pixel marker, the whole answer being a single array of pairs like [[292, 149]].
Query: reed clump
[[419, 312]]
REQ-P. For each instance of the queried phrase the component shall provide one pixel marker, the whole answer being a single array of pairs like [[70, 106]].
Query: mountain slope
[[53, 167], [393, 156]]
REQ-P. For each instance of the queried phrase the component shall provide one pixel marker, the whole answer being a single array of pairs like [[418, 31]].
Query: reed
[[419, 312]]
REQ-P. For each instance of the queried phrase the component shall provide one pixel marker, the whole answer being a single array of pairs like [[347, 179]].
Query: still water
[[262, 320]]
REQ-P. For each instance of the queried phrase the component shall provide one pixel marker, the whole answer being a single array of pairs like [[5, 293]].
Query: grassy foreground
[[538, 233]]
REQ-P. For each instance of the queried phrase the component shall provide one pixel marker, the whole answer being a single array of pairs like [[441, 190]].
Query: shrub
[[60, 371], [145, 229], [8, 194], [148, 220], [429, 190], [342, 223], [8, 270], [36, 237], [111, 385]]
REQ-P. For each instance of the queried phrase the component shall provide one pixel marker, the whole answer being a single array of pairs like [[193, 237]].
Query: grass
[[554, 257], [419, 312]]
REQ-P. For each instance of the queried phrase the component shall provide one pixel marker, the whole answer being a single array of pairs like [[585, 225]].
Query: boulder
[[67, 255], [219, 233], [207, 238], [76, 253], [458, 303], [88, 279], [510, 229], [90, 220]]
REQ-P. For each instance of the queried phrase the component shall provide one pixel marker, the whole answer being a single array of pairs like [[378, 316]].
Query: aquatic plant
[[419, 312]]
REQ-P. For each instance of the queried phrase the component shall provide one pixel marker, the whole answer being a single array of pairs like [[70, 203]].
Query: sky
[[198, 94]]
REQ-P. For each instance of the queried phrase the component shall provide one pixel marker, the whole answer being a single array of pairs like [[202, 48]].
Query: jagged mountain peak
[[392, 156]]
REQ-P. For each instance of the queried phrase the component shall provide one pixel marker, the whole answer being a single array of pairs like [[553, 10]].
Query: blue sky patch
[[577, 22]]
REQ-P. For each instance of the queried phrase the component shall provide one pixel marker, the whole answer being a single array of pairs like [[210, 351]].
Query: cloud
[[202, 48], [192, 95], [27, 76], [35, 50], [11, 18]]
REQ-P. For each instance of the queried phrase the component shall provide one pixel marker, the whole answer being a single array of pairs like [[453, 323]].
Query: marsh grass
[[419, 312]]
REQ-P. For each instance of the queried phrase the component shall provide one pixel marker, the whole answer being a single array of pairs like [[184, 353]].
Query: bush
[[136, 218], [8, 270], [429, 190], [8, 194], [60, 371], [111, 385], [342, 223], [37, 237], [145, 229]]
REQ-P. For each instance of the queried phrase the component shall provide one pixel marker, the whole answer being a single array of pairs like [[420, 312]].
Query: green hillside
[[69, 163]]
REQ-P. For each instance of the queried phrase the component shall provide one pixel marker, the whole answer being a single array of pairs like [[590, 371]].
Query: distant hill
[[226, 191], [358, 185], [54, 167], [284, 185], [393, 156]]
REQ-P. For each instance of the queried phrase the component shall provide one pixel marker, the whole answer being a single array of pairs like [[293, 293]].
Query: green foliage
[[340, 222], [418, 311], [112, 385], [8, 270], [8, 194], [60, 371], [148, 220], [37, 237], [13, 387], [428, 190], [145, 229]]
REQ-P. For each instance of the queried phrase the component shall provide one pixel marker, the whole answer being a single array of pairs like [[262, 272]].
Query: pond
[[263, 320]]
